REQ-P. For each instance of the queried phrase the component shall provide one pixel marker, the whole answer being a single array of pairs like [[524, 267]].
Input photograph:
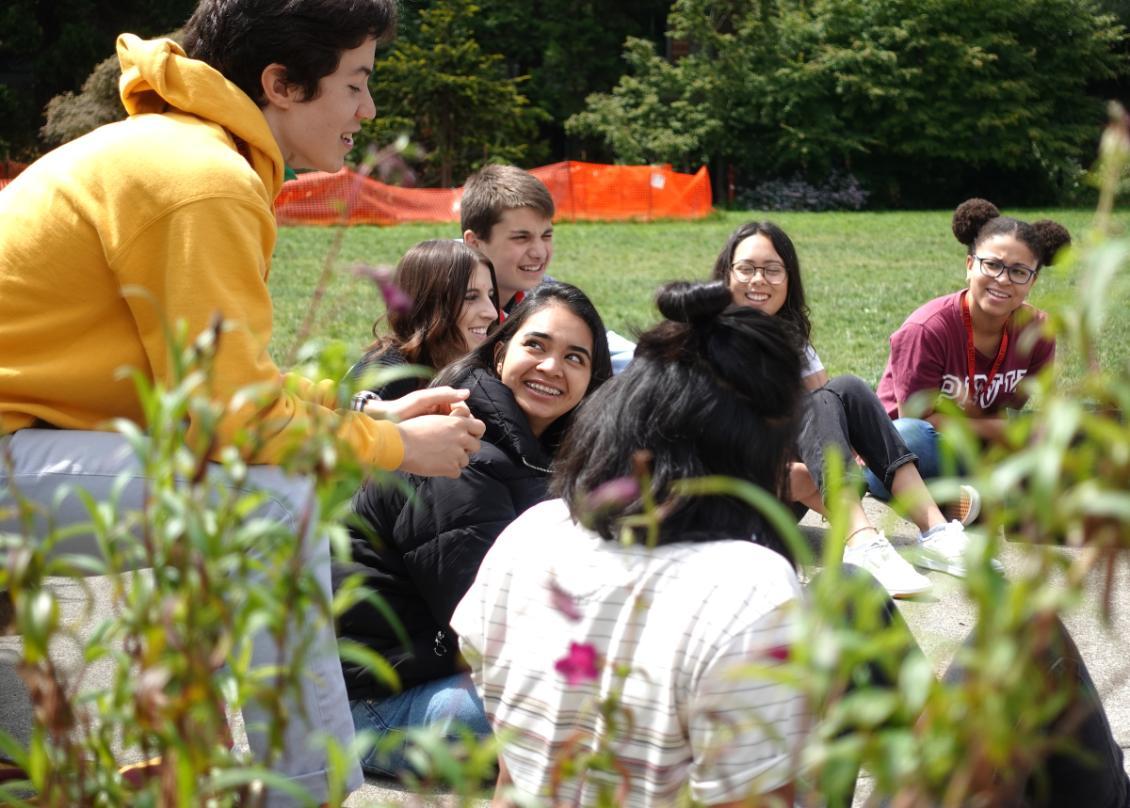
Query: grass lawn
[[864, 273]]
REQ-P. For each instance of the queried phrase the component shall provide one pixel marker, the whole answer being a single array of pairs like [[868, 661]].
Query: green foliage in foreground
[[864, 273], [1061, 477]]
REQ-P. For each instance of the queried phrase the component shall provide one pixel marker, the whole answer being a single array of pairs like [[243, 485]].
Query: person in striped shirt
[[657, 628]]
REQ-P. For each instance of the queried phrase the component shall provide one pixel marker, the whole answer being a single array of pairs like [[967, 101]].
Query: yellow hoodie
[[162, 217]]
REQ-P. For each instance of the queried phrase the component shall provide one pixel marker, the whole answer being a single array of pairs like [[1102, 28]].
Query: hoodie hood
[[158, 76]]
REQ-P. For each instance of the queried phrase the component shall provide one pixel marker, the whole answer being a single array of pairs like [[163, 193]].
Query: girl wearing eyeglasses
[[976, 346], [760, 267]]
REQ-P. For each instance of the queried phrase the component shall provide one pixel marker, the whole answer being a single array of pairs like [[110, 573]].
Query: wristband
[[363, 398]]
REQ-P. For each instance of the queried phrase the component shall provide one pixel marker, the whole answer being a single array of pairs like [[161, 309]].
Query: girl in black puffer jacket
[[418, 545]]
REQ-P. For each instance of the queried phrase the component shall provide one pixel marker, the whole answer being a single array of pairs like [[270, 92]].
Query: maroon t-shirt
[[928, 353]]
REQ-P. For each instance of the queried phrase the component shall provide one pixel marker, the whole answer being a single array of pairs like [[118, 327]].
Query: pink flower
[[563, 602], [617, 493], [395, 298], [779, 653], [579, 665]]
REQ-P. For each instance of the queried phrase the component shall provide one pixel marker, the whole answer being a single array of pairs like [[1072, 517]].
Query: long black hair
[[714, 390], [795, 309], [549, 293]]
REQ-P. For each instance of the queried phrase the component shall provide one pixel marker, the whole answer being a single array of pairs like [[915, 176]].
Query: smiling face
[[548, 365], [318, 133], [478, 310], [994, 299], [520, 247], [758, 293]]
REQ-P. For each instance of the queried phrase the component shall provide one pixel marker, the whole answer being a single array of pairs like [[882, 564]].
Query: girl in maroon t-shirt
[[977, 345], [841, 415]]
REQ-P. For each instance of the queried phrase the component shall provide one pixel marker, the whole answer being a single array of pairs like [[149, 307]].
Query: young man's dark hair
[[241, 37]]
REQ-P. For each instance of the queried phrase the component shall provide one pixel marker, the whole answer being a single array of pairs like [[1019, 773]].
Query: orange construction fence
[[581, 192], [8, 171]]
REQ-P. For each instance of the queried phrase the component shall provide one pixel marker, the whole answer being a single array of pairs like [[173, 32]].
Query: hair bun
[[1053, 238], [686, 302], [970, 216]]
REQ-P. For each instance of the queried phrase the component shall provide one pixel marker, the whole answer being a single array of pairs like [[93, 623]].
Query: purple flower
[[563, 602], [618, 493], [395, 298], [579, 665]]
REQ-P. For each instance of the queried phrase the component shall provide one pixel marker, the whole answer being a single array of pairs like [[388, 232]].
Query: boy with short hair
[[507, 214]]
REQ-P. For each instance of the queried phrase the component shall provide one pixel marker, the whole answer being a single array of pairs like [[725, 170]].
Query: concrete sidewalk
[[940, 622]]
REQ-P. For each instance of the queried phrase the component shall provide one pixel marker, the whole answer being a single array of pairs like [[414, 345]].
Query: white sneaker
[[880, 559], [967, 508], [944, 550]]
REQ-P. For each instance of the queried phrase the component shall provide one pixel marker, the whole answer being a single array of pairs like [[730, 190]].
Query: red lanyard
[[514, 301], [971, 352]]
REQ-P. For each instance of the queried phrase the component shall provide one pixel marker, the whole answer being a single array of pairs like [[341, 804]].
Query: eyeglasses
[[994, 268], [772, 272]]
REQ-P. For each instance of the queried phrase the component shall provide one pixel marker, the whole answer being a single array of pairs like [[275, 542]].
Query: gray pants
[[45, 459]]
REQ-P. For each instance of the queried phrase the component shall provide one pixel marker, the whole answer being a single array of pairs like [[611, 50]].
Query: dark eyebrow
[[548, 338], [363, 70]]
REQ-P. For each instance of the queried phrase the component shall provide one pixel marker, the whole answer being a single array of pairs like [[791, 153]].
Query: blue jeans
[[451, 703], [921, 439]]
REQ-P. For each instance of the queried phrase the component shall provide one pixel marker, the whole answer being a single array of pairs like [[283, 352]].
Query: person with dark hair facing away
[[111, 241], [760, 267], [713, 390], [683, 621], [453, 303], [418, 545], [975, 346]]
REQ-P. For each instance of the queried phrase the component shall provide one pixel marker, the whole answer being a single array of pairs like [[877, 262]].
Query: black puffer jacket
[[423, 549], [388, 358]]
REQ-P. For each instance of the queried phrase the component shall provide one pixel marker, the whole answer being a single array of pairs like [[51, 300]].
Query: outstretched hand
[[429, 401], [439, 445], [437, 428]]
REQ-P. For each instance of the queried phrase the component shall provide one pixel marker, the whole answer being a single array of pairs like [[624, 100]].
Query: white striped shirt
[[680, 618]]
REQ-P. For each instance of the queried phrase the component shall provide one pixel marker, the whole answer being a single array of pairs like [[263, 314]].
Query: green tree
[[439, 86], [50, 46], [657, 113], [923, 100], [70, 115]]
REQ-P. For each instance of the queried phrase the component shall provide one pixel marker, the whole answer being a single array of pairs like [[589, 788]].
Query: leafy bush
[[71, 115], [178, 645], [922, 101]]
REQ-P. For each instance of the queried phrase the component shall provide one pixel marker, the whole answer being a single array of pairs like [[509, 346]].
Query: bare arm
[[499, 800], [814, 381]]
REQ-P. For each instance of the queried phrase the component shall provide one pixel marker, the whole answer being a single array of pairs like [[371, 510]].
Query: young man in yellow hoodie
[[167, 217]]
